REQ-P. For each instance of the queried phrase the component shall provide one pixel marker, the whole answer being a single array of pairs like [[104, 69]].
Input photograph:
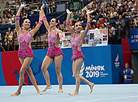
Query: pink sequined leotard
[[53, 51], [24, 48], [76, 54]]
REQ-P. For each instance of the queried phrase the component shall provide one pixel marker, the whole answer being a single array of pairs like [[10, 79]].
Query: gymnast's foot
[[60, 90], [74, 93], [91, 87], [38, 92], [16, 93], [47, 87]]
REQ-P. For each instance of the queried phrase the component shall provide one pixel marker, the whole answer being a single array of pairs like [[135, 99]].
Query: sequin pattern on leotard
[[53, 51], [24, 49], [76, 54]]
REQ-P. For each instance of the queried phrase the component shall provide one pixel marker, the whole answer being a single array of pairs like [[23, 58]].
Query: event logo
[[93, 71], [117, 63]]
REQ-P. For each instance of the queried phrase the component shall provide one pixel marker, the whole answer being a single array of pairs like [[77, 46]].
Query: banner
[[133, 39], [75, 5], [102, 65], [97, 37]]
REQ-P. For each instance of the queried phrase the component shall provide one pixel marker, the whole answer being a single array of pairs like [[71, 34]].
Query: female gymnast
[[78, 57], [54, 52], [25, 52]]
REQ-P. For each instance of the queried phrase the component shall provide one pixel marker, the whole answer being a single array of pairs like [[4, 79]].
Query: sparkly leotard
[[24, 49], [53, 51], [76, 54]]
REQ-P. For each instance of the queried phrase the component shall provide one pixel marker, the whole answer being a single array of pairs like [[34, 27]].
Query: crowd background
[[117, 15]]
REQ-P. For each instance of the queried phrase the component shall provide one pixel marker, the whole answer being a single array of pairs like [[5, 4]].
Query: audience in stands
[[114, 15]]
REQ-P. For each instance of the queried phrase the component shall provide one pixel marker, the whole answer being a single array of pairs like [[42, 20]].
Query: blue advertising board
[[133, 39], [102, 65]]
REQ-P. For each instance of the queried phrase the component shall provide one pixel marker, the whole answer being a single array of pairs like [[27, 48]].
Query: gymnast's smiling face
[[53, 22], [78, 27], [26, 24]]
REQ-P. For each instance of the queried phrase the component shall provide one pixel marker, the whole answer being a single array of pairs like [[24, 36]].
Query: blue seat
[[7, 26], [4, 31], [12, 26], [126, 19], [1, 27]]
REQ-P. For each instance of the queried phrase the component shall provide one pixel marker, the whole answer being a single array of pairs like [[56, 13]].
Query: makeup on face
[[78, 25]]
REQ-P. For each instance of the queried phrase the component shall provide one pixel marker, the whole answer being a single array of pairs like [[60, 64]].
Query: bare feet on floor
[[47, 87], [91, 87], [60, 90], [38, 92], [16, 93], [74, 93]]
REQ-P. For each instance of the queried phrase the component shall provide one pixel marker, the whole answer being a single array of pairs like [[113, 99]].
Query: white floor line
[[104, 99]]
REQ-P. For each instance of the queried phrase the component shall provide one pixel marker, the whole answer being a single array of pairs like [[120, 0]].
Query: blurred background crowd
[[117, 15]]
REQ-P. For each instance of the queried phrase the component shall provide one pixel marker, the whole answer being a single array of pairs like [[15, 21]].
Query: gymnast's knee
[[75, 75], [43, 69]]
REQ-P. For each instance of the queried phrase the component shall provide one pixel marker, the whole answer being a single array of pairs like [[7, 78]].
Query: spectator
[[106, 13], [131, 6], [128, 74], [103, 26], [24, 14], [7, 5], [118, 1], [103, 3], [108, 7], [88, 7], [97, 15], [120, 27], [121, 10], [115, 5], [11, 20], [93, 26], [98, 5], [13, 17], [84, 17], [75, 17], [98, 25], [53, 6], [15, 39], [5, 19], [111, 34], [112, 13], [45, 41], [1, 43], [37, 34], [106, 21], [63, 27], [136, 22], [9, 39], [94, 7]]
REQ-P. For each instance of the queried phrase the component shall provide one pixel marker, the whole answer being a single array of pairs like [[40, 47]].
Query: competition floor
[[101, 93]]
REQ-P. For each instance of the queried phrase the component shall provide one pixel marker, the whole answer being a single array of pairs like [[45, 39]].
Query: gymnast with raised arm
[[78, 57], [54, 52], [25, 52]]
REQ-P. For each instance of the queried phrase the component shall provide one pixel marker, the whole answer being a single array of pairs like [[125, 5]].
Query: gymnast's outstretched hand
[[68, 11]]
